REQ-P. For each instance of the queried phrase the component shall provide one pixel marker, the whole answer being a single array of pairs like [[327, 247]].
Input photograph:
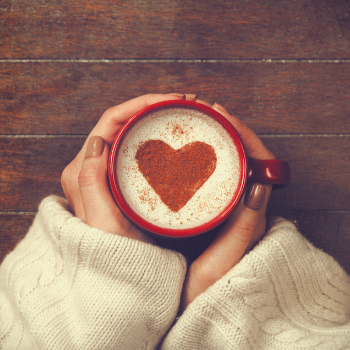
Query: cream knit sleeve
[[69, 286], [285, 294]]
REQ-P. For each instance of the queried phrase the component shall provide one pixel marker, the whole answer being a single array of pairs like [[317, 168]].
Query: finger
[[70, 186], [107, 127], [176, 95], [190, 97], [113, 119], [254, 146], [228, 247], [261, 227], [204, 102], [100, 209]]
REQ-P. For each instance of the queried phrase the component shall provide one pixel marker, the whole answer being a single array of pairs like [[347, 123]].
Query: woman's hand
[[85, 185], [84, 180], [240, 232]]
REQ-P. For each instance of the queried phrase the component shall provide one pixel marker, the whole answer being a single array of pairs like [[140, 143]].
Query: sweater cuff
[[80, 287], [284, 292]]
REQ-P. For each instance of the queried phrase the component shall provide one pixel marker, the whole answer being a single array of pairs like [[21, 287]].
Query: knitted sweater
[[69, 286]]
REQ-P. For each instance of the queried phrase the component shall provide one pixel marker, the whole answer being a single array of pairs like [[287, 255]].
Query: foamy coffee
[[178, 129]]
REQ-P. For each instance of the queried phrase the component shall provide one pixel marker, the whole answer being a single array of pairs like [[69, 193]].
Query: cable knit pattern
[[70, 286], [285, 294]]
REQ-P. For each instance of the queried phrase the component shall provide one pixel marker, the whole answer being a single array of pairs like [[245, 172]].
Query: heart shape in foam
[[176, 175]]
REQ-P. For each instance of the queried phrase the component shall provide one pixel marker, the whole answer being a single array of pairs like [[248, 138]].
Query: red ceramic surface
[[263, 171]]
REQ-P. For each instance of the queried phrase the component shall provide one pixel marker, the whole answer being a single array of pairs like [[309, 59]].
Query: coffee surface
[[146, 165]]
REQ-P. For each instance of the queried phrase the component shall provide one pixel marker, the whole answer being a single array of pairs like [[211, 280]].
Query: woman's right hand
[[240, 232], [84, 180]]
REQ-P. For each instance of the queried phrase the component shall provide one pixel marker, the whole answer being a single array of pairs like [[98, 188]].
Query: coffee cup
[[178, 169]]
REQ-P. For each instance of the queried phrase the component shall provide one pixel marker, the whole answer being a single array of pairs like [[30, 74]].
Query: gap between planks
[[34, 136], [286, 210], [122, 61]]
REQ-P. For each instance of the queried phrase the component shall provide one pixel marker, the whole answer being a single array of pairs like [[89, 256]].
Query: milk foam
[[178, 127]]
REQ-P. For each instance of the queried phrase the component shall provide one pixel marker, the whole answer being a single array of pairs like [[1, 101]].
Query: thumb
[[229, 246], [100, 208]]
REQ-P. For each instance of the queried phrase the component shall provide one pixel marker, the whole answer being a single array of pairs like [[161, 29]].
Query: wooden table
[[283, 67]]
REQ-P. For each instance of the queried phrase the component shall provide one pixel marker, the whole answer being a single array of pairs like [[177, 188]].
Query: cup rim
[[143, 224]]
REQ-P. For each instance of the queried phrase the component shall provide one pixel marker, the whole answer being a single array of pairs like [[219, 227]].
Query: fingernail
[[219, 108], [95, 146], [177, 95], [255, 196], [204, 103], [190, 97]]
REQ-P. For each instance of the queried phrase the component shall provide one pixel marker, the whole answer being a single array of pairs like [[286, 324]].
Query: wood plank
[[175, 29], [320, 169], [30, 169], [327, 230], [13, 229], [68, 98]]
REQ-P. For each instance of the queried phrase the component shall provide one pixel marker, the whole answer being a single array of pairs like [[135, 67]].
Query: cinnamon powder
[[176, 175]]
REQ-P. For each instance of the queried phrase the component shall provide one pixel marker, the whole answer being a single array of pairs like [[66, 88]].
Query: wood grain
[[69, 98], [175, 29], [30, 169], [320, 168], [13, 229]]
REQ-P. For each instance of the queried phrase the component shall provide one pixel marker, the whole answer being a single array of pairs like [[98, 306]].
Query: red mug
[[276, 172]]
